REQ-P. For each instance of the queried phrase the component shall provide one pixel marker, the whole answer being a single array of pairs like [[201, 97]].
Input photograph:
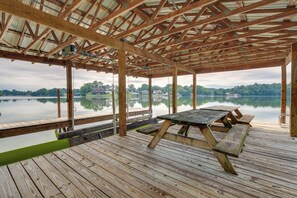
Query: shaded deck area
[[125, 167]]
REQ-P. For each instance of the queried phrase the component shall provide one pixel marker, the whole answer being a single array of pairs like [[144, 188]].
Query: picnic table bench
[[231, 144], [234, 115]]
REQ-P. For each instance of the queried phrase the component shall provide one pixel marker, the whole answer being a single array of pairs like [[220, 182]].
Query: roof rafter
[[19, 9]]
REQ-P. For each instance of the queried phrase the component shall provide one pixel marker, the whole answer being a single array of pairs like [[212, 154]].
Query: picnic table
[[231, 144], [234, 115]]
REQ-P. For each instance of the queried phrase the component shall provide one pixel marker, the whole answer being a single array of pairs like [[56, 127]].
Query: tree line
[[243, 90]]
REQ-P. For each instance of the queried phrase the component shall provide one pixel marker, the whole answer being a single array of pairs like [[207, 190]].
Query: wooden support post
[[59, 102], [122, 93], [69, 91], [174, 91], [169, 104], [150, 104], [284, 94], [293, 106], [194, 92]]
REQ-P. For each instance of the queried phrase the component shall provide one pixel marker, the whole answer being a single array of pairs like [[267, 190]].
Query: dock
[[21, 128], [124, 167]]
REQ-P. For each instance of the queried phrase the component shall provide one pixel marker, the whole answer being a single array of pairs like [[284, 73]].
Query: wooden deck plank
[[124, 167], [23, 181], [80, 182], [248, 174], [247, 158], [183, 183], [7, 187], [263, 161], [108, 175], [43, 183], [162, 189], [204, 173], [63, 184], [155, 185], [93, 177]]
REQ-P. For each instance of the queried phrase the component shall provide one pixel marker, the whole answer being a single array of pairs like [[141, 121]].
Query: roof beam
[[173, 14], [57, 62], [24, 11], [235, 67], [115, 14], [210, 20]]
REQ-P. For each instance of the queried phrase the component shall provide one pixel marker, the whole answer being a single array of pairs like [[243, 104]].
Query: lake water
[[20, 109]]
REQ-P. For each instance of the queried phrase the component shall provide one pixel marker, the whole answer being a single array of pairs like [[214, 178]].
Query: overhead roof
[[200, 36]]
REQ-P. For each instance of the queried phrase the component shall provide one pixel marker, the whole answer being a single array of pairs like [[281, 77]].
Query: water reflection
[[42, 108]]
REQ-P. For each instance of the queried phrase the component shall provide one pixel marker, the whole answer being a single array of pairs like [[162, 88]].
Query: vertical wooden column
[[293, 105], [174, 90], [69, 90], [150, 105], [122, 93], [194, 92], [59, 102], [284, 94]]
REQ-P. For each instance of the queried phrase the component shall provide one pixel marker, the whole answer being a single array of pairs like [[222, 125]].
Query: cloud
[[26, 76]]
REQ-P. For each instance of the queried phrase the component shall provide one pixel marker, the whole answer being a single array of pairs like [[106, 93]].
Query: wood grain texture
[[122, 92], [23, 181], [125, 167], [194, 92], [174, 90], [46, 187], [232, 143], [283, 93], [63, 184], [293, 99], [162, 130], [7, 188]]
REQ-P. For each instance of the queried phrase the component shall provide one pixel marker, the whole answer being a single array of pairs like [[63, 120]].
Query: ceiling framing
[[193, 36]]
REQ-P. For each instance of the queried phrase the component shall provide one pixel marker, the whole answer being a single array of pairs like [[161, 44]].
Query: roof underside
[[204, 35]]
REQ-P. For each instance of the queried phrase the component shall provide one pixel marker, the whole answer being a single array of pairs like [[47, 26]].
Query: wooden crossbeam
[[115, 14], [231, 29], [209, 20], [173, 14], [224, 68], [24, 11], [4, 24], [37, 39]]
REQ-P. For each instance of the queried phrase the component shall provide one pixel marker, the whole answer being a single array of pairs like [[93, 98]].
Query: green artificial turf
[[32, 151]]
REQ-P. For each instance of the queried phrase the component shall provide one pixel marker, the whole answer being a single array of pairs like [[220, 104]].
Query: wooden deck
[[20, 128], [125, 167]]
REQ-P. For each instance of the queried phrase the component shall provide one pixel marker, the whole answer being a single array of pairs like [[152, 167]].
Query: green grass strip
[[32, 151]]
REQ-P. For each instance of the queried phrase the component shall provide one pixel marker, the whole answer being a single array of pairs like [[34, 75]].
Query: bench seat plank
[[246, 119], [149, 129], [232, 143]]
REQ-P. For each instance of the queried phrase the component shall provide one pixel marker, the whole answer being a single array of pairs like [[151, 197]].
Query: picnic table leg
[[222, 158], [239, 114], [232, 117], [184, 130], [156, 139], [226, 122]]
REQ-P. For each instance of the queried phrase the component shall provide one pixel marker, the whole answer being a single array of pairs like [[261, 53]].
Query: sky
[[24, 76]]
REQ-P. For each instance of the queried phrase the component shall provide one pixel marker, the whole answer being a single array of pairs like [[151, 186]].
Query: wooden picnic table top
[[221, 108], [195, 117]]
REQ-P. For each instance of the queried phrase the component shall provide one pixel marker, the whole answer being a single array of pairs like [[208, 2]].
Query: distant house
[[99, 90], [157, 92]]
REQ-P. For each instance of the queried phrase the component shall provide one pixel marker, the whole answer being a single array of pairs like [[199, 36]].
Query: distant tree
[[1, 93], [131, 88], [85, 89]]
